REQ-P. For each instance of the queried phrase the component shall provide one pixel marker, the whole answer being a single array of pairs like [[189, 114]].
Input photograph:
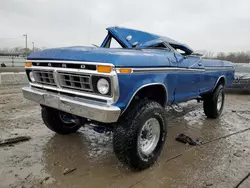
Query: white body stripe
[[174, 69]]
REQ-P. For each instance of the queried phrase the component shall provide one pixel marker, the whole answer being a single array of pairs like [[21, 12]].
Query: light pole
[[26, 44], [33, 44]]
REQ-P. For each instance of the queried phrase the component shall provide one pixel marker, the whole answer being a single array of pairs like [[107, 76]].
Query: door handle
[[200, 64]]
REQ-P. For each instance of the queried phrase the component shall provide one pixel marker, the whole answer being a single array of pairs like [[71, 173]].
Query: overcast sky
[[214, 25]]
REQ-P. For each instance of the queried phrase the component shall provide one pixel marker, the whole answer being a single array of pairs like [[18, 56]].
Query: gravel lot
[[223, 160]]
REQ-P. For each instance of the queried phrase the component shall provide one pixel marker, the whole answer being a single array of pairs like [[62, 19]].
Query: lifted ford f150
[[124, 86]]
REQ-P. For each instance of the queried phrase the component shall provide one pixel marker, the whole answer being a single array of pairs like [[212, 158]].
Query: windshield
[[242, 68]]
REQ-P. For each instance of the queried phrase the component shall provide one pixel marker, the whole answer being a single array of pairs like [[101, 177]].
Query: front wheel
[[213, 103], [58, 121], [140, 135]]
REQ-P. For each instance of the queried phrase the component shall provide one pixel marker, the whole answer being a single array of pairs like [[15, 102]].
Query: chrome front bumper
[[84, 108]]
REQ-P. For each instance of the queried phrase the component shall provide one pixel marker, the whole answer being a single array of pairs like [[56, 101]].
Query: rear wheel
[[140, 135], [58, 121], [213, 103]]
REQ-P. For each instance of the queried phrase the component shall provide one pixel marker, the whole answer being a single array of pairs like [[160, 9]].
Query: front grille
[[75, 81], [44, 77]]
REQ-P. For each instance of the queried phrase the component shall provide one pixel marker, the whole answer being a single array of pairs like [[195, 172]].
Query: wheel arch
[[221, 80], [145, 88]]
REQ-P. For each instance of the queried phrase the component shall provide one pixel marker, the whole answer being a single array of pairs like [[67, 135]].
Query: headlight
[[31, 75], [103, 86]]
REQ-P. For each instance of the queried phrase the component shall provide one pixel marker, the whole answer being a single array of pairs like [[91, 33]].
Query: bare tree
[[236, 57]]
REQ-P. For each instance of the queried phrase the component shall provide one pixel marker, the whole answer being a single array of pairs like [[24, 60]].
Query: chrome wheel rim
[[149, 136], [219, 101]]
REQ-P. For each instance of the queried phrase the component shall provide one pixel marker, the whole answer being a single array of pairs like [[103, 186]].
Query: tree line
[[235, 57], [18, 50]]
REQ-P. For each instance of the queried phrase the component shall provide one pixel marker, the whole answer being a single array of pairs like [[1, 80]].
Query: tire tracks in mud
[[226, 136], [208, 142], [243, 179], [202, 144]]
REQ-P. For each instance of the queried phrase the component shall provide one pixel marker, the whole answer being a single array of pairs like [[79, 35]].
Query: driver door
[[190, 76]]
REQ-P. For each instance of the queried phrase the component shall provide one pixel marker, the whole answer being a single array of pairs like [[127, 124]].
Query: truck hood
[[118, 57]]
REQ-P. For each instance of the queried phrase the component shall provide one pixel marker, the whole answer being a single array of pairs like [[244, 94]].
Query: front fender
[[130, 84]]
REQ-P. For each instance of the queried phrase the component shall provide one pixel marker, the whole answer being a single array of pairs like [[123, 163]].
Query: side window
[[180, 51], [160, 46]]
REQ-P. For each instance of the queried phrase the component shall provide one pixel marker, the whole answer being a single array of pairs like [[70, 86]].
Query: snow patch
[[100, 144], [195, 117]]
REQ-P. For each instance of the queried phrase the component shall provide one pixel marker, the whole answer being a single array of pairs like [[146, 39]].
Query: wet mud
[[222, 160]]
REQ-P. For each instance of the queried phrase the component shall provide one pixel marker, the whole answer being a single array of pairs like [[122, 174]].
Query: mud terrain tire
[[52, 119], [213, 103], [128, 134]]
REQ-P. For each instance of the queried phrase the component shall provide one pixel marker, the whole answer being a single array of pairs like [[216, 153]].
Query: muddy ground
[[11, 69], [223, 160]]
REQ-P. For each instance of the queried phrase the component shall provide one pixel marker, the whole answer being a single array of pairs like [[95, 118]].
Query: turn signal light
[[104, 68], [28, 64], [125, 70]]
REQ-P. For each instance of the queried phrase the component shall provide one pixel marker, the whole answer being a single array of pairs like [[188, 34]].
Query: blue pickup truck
[[124, 86]]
